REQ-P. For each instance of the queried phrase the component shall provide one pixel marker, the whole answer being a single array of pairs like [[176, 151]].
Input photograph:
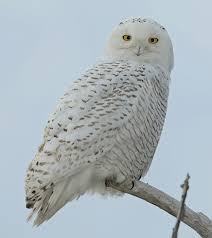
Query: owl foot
[[127, 184]]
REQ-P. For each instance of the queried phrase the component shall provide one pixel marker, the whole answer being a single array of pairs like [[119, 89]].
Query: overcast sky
[[44, 45]]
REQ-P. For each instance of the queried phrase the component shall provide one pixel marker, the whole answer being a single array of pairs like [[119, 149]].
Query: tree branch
[[180, 214], [196, 220]]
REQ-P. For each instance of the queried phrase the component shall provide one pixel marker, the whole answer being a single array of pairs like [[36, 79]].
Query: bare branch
[[197, 221], [185, 187]]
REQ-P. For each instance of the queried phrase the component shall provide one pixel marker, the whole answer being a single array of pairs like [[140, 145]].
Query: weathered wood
[[185, 187], [196, 220]]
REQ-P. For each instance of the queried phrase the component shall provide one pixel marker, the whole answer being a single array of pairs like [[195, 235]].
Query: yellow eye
[[153, 40], [126, 37]]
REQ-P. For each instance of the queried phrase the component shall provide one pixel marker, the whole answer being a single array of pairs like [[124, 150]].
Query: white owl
[[107, 124]]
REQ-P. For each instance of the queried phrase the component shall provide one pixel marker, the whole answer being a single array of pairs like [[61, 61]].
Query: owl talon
[[107, 183], [133, 184]]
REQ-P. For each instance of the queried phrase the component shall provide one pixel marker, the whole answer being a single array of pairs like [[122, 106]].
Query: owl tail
[[54, 200], [58, 194]]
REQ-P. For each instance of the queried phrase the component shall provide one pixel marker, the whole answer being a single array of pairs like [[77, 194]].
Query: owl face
[[141, 40]]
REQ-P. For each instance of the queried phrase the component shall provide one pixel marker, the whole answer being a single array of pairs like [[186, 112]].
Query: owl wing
[[91, 112], [84, 126]]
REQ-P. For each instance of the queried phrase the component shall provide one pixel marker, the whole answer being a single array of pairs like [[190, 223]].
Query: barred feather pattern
[[106, 125]]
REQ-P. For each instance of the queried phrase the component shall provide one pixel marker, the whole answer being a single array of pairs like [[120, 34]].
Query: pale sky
[[44, 45]]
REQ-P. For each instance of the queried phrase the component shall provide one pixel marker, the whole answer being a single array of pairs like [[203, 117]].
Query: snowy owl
[[107, 125]]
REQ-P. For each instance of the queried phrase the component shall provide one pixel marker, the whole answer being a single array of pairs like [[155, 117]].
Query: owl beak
[[139, 50]]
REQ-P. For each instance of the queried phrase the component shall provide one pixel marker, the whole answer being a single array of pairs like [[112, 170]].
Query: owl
[[107, 125]]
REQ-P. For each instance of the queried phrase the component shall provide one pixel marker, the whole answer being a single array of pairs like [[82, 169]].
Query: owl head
[[143, 41]]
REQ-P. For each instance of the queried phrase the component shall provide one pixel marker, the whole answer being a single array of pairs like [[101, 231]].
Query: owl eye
[[153, 40], [126, 37]]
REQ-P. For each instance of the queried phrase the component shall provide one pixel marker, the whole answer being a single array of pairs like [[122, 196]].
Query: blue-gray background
[[44, 45]]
